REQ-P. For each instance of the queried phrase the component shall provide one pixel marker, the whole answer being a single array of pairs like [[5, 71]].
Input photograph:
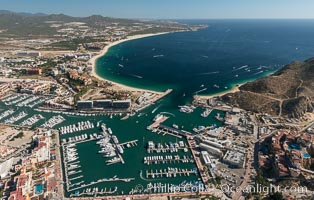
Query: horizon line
[[158, 18]]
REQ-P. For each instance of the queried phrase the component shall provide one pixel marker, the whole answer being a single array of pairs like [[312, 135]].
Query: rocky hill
[[13, 24], [288, 92]]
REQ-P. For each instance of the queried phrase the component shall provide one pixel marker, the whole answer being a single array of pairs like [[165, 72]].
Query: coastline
[[119, 86], [235, 88]]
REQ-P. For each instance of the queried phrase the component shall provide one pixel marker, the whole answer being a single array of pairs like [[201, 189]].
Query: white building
[[211, 150]]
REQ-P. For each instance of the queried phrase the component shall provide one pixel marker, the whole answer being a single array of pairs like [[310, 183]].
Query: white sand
[[232, 90]]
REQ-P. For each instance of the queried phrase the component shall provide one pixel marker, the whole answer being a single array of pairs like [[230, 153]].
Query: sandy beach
[[105, 50], [232, 90]]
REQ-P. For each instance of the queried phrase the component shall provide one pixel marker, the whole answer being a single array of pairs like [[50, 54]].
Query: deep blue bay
[[226, 53]]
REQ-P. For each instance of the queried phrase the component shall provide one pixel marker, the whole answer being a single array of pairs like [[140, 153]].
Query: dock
[[167, 159], [129, 143], [78, 177], [170, 131], [101, 181], [166, 149], [170, 172], [94, 192], [157, 123], [83, 141]]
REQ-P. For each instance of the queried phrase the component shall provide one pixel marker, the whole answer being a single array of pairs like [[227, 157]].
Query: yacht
[[103, 127], [158, 117], [115, 139], [186, 109], [110, 154], [114, 160], [175, 126], [120, 149], [206, 112]]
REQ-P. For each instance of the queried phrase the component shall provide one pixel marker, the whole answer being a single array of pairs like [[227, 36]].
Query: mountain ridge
[[288, 92]]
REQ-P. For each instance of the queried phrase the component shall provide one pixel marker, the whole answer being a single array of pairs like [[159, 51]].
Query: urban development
[[67, 133]]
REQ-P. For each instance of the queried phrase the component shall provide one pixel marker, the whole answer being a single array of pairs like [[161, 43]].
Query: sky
[[168, 9]]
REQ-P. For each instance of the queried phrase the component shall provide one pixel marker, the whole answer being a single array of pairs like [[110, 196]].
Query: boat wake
[[136, 76], [258, 72], [242, 67], [168, 113], [155, 109], [207, 73], [157, 56], [200, 90]]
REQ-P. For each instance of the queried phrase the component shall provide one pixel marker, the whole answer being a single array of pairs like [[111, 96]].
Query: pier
[[101, 181], [167, 159], [68, 173], [170, 172], [157, 122], [129, 143], [75, 172], [92, 138], [94, 192], [161, 149], [78, 177], [171, 131]]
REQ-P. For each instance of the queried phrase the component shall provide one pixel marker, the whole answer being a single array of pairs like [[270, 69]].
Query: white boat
[[158, 117], [206, 112], [216, 86], [115, 139], [110, 154], [175, 126], [120, 149], [114, 160]]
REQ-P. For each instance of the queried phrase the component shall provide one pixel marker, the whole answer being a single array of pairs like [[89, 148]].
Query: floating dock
[[101, 181], [94, 192], [170, 172], [167, 159]]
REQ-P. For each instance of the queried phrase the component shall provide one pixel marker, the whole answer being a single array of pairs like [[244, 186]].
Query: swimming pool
[[39, 189], [294, 146], [306, 155]]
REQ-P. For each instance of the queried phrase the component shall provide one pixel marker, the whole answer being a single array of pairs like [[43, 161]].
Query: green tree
[[275, 196]]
